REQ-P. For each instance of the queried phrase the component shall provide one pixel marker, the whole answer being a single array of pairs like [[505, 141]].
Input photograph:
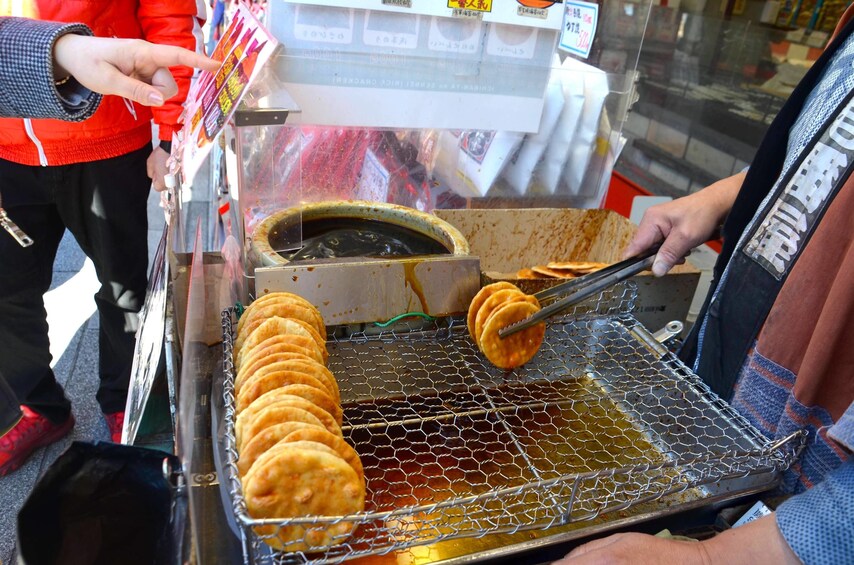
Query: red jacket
[[119, 126]]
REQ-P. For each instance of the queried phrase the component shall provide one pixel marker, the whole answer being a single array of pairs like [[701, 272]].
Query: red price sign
[[579, 27]]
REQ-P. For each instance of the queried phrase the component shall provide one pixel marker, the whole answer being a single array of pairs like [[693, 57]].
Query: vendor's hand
[[131, 68], [639, 549], [759, 541], [684, 223], [157, 169]]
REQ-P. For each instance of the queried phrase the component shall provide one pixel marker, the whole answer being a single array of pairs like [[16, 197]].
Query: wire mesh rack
[[602, 419]]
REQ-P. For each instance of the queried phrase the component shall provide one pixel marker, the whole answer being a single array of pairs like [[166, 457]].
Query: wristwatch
[[166, 146]]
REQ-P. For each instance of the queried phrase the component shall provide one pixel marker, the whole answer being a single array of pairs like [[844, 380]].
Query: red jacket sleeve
[[173, 22]]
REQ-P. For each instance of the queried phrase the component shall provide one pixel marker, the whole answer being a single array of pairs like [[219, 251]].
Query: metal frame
[[598, 422]]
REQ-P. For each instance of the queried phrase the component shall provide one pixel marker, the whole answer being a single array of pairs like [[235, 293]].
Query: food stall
[[383, 161]]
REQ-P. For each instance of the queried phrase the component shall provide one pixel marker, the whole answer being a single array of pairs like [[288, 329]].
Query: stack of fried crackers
[[293, 460], [560, 270], [497, 306]]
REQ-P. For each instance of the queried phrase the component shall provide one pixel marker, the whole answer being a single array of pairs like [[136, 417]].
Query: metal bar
[[585, 291], [585, 280]]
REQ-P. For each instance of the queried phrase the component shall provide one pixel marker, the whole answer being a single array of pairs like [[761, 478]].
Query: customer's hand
[[684, 223], [157, 168], [131, 68]]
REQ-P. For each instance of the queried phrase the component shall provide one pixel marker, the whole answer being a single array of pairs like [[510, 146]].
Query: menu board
[[213, 98]]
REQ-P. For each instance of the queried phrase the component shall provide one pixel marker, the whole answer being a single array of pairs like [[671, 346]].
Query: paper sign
[[373, 181], [756, 511], [579, 27], [532, 13], [213, 99]]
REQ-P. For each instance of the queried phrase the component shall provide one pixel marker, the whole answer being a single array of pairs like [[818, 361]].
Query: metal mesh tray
[[602, 419]]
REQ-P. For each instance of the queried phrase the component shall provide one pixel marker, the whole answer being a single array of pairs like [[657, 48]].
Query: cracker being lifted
[[480, 298], [518, 348], [497, 306], [494, 302]]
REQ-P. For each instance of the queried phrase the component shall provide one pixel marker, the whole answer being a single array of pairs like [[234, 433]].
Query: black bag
[[104, 503]]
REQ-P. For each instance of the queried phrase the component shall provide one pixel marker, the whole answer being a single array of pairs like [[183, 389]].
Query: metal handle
[[672, 329]]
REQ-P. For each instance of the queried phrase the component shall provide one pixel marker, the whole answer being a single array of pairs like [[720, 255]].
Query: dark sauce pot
[[349, 229]]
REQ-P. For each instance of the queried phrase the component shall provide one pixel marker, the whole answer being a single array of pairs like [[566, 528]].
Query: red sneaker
[[115, 423], [32, 432]]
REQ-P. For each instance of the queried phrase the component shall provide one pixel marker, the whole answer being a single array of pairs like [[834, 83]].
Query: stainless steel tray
[[601, 420]]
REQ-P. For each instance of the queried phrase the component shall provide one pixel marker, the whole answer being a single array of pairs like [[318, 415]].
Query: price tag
[[756, 511], [579, 27], [374, 180]]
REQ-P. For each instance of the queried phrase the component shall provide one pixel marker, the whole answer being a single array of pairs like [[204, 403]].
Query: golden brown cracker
[[493, 302], [321, 342], [518, 348], [267, 438], [529, 274], [300, 343], [292, 382], [265, 299], [305, 366], [276, 397], [480, 298], [248, 369], [281, 445], [552, 273], [259, 330], [341, 447], [302, 482], [576, 267], [289, 310], [269, 415]]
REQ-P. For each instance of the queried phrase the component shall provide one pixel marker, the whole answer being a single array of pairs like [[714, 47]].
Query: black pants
[[10, 411], [104, 205]]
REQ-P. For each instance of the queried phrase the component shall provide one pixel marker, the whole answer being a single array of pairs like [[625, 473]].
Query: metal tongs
[[579, 288]]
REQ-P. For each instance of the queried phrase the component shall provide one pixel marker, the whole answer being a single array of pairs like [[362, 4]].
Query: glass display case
[[712, 76], [430, 107]]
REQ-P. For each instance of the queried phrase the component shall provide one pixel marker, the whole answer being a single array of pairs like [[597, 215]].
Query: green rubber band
[[239, 308], [406, 315]]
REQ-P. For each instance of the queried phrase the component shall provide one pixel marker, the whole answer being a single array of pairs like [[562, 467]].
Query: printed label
[[476, 143], [471, 5], [758, 510], [388, 29], [453, 36], [324, 24], [467, 14], [373, 180], [526, 12], [579, 27], [780, 237], [516, 42], [398, 3]]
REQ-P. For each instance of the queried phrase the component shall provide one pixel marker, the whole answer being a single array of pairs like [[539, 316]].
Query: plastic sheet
[[103, 503]]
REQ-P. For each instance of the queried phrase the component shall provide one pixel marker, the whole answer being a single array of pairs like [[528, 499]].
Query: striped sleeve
[[26, 73]]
